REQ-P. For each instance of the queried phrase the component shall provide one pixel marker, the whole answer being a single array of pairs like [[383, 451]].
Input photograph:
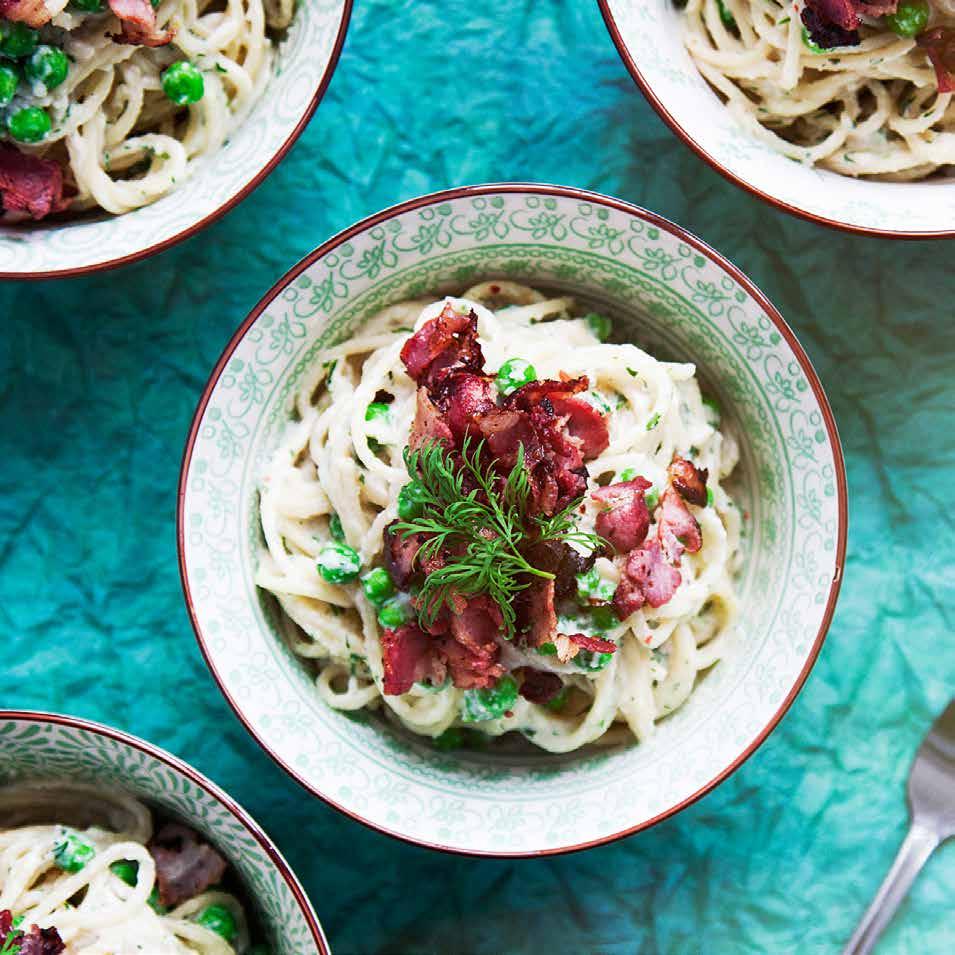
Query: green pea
[[451, 738], [18, 40], [29, 125], [335, 529], [376, 409], [378, 586], [392, 614], [588, 660], [219, 919], [491, 703], [600, 325], [811, 44], [547, 649], [726, 15], [557, 703], [514, 374], [183, 83], [339, 563], [47, 65], [910, 18], [126, 870], [603, 618], [9, 81], [88, 6], [72, 852], [411, 500], [652, 497], [591, 587]]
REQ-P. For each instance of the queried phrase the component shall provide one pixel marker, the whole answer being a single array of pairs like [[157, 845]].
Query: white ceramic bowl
[[302, 70], [648, 35], [47, 746], [667, 291]]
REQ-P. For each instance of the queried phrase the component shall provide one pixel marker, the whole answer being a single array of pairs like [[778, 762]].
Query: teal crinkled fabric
[[99, 377]]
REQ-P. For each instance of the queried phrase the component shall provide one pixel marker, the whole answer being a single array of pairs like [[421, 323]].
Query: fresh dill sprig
[[488, 522]]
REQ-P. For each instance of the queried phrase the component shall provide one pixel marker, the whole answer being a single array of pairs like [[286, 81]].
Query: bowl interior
[[668, 295], [649, 36], [36, 748], [304, 60]]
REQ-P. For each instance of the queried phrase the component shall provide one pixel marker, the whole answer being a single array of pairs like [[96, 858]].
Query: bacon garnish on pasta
[[30, 185]]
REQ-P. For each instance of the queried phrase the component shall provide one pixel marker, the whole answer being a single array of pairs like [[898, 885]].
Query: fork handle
[[918, 845]]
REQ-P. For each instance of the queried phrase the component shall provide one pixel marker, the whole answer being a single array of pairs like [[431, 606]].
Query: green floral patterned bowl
[[649, 37], [669, 293], [51, 747], [302, 69]]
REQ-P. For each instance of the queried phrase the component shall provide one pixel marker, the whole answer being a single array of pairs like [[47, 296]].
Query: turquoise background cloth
[[99, 377]]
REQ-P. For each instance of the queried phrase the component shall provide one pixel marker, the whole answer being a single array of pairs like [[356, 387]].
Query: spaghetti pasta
[[95, 882], [873, 109], [339, 472]]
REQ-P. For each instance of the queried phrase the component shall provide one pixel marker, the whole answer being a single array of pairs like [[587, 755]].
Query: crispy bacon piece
[[467, 396], [406, 657], [472, 649], [678, 528], [594, 644], [625, 520], [827, 35], [561, 560], [399, 555], [41, 941], [539, 686], [429, 426], [647, 578], [939, 46], [184, 865], [30, 184], [138, 18], [840, 13], [536, 616], [31, 12], [446, 343], [585, 424], [689, 480]]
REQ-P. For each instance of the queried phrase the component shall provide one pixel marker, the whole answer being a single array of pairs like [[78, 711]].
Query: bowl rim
[[203, 782], [580, 195], [229, 204], [664, 114]]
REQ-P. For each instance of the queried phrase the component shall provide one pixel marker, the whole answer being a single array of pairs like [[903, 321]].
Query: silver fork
[[931, 792]]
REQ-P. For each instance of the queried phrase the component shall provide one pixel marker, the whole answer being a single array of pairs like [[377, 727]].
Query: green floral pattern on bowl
[[305, 60], [38, 746], [667, 293], [649, 36]]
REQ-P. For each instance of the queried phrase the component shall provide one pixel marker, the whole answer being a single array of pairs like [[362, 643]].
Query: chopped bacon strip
[[594, 644], [625, 520], [536, 616], [184, 865], [507, 431], [539, 686], [429, 426], [561, 560], [939, 45], [406, 657], [467, 397], [41, 941], [585, 424], [446, 343], [472, 651], [30, 184], [138, 18], [647, 578], [827, 35], [31, 12], [399, 555], [689, 480], [678, 529]]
